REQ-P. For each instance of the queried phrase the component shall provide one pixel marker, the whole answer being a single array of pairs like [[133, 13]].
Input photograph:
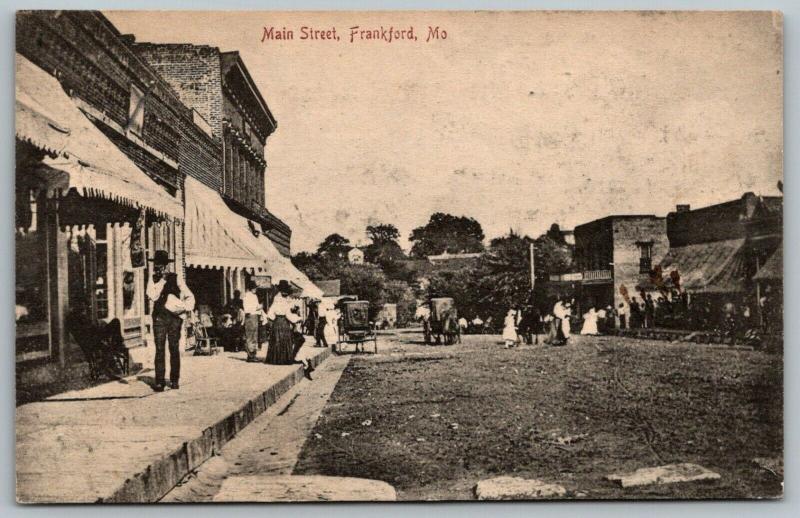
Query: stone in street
[[516, 488], [668, 474]]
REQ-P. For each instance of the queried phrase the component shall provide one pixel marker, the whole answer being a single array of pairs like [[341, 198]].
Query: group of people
[[522, 325], [173, 301], [526, 324]]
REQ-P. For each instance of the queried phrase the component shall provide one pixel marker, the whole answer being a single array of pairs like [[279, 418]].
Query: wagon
[[355, 327], [442, 310]]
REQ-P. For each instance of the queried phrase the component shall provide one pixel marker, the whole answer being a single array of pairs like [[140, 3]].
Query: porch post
[[58, 285]]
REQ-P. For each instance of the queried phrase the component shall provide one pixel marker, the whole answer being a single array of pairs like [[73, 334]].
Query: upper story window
[[136, 111], [645, 256]]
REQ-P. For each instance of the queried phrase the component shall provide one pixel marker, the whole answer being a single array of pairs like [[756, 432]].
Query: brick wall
[[594, 245], [200, 156], [93, 63], [193, 71], [627, 233]]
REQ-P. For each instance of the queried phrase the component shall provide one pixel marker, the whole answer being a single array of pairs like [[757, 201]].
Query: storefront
[[87, 219], [222, 254]]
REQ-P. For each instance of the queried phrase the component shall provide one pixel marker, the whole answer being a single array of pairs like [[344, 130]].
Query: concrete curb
[[155, 481]]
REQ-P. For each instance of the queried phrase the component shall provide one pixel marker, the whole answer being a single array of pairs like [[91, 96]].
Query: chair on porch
[[102, 345], [204, 343]]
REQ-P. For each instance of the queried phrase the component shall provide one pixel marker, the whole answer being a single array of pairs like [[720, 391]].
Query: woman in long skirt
[[281, 346], [510, 329]]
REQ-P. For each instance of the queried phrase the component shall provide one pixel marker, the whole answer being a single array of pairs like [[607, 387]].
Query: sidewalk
[[122, 442]]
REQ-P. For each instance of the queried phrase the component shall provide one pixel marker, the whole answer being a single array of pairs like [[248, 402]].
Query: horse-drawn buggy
[[355, 326], [441, 325]]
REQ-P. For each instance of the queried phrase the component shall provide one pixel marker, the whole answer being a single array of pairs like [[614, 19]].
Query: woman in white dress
[[589, 323], [510, 329]]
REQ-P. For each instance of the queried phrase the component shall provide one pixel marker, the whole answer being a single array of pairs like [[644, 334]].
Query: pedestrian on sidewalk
[[319, 331], [281, 345], [172, 301], [298, 340], [253, 312]]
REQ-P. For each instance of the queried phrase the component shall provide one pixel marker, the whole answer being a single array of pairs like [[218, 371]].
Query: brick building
[[615, 254], [219, 87], [102, 145], [718, 250], [232, 239]]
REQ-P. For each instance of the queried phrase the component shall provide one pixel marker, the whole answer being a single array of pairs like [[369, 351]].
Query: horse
[[451, 330]]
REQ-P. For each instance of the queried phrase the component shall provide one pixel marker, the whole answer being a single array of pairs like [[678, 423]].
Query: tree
[[365, 281], [504, 275], [382, 233], [335, 247], [310, 264], [461, 285], [447, 233], [554, 233], [384, 250]]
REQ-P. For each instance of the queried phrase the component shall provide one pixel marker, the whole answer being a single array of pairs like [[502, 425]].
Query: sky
[[518, 119]]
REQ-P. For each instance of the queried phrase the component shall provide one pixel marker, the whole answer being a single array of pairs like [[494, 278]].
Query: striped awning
[[48, 118], [215, 236], [281, 268]]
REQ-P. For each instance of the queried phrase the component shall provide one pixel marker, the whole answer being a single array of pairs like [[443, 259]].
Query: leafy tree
[[551, 257], [462, 285], [504, 275], [365, 281], [382, 233], [335, 247], [384, 250], [554, 234], [447, 233], [310, 264]]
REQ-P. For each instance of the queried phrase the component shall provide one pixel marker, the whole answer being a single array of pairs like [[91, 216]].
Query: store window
[[130, 276], [31, 304]]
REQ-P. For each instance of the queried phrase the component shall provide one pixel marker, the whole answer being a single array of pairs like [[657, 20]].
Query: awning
[[47, 118], [215, 236], [773, 268], [309, 288], [281, 268], [715, 267]]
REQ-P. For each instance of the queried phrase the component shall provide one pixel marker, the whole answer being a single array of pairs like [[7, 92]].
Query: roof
[[613, 217], [49, 119], [773, 268], [330, 288], [454, 257], [713, 267]]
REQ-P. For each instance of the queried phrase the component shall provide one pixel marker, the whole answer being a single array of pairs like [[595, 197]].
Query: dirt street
[[433, 421]]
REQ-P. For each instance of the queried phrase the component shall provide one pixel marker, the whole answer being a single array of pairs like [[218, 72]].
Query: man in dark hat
[[172, 301]]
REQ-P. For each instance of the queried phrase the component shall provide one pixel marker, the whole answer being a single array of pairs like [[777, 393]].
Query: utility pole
[[533, 268]]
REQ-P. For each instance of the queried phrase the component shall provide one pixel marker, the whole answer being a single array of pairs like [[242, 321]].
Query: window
[[136, 111], [130, 276], [31, 312], [645, 257]]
